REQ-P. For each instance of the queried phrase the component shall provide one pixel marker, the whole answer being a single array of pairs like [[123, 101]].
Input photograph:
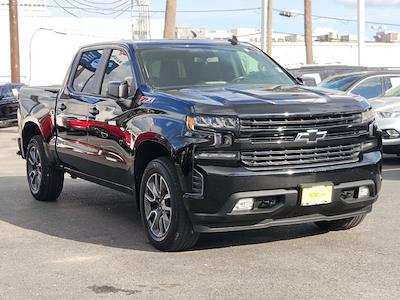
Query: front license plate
[[316, 195]]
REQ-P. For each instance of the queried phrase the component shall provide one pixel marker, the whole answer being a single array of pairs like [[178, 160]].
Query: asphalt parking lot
[[89, 244]]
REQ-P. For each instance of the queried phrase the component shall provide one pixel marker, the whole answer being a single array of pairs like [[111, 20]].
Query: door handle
[[94, 111], [62, 107]]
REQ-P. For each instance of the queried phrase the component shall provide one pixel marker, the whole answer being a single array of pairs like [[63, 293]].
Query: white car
[[387, 112]]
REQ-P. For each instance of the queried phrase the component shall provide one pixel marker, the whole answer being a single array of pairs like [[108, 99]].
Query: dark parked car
[[8, 103], [211, 136], [369, 84]]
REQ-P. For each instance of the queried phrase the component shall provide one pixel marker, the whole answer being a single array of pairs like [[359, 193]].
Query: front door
[[107, 131]]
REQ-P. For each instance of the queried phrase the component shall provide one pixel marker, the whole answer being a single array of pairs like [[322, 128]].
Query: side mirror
[[300, 80], [118, 89], [309, 80]]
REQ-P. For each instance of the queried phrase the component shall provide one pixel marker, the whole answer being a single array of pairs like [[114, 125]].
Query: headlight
[[389, 114], [367, 115], [211, 122]]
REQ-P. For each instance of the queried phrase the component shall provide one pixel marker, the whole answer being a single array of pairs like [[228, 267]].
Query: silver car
[[368, 84], [387, 112]]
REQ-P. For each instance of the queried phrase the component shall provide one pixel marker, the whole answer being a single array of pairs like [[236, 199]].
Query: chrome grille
[[301, 158], [284, 129]]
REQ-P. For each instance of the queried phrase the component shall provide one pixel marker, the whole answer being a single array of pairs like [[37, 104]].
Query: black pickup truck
[[207, 136]]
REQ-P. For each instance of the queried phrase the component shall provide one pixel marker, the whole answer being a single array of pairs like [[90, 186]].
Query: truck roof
[[152, 43]]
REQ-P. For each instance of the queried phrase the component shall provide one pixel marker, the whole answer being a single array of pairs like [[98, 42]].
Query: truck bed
[[40, 92]]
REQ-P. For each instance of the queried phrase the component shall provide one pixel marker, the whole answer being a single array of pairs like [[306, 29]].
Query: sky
[[380, 11]]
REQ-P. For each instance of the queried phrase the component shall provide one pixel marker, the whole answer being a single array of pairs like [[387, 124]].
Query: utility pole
[[308, 31], [14, 41], [269, 27], [170, 19], [263, 26], [361, 29]]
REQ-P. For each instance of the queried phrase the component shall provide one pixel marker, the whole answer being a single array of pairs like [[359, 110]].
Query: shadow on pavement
[[90, 213]]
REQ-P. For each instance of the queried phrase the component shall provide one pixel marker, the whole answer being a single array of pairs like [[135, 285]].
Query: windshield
[[179, 67], [341, 83]]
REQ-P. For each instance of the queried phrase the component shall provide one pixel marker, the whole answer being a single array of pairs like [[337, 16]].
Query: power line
[[95, 2], [151, 11], [126, 9], [106, 6], [339, 19], [99, 10], [64, 9]]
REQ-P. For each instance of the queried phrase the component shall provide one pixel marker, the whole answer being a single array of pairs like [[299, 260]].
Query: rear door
[[73, 110], [107, 131]]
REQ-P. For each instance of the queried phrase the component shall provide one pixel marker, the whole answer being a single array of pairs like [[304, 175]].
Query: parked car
[[8, 103], [369, 84], [312, 75], [211, 136], [387, 111]]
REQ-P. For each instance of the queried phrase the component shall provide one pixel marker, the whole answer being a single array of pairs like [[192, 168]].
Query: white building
[[47, 43]]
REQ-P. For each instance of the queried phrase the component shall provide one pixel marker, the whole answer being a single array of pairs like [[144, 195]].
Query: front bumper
[[8, 112], [223, 186]]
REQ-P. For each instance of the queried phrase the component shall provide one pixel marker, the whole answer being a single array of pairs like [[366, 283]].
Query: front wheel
[[165, 220], [45, 182], [343, 224]]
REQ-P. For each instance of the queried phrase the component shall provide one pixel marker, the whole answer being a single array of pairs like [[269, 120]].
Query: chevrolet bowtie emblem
[[310, 136]]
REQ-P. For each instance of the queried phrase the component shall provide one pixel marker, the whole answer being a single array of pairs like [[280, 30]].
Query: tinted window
[[84, 74], [341, 83], [177, 67], [369, 88], [6, 91], [118, 69], [392, 86]]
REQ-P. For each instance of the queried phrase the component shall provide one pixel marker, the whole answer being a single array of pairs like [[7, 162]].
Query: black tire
[[51, 182], [343, 224], [180, 234]]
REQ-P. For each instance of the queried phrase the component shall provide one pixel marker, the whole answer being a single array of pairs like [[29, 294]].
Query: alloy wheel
[[157, 205], [34, 169]]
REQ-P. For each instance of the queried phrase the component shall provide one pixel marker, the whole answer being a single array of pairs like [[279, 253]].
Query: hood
[[260, 100], [385, 103]]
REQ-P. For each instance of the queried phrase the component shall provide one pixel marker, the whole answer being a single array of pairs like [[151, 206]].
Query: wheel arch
[[30, 129], [145, 152]]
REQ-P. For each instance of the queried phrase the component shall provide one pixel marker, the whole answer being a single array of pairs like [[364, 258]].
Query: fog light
[[393, 133], [363, 192], [244, 204]]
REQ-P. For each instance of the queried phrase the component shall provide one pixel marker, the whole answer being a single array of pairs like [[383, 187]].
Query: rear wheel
[[45, 182], [343, 224], [164, 217]]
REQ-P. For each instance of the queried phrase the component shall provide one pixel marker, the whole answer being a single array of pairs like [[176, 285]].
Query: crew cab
[[207, 136]]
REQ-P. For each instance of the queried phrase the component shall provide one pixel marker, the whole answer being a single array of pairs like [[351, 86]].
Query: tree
[[170, 19]]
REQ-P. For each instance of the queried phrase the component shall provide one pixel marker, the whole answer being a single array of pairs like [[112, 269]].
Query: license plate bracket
[[316, 194]]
